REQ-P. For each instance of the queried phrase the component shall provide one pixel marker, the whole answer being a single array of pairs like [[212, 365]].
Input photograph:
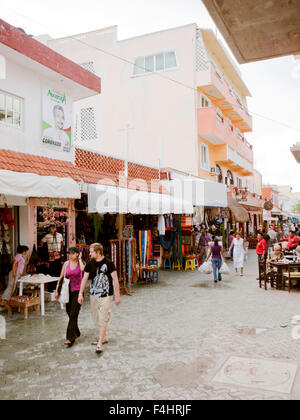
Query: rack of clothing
[[123, 255]]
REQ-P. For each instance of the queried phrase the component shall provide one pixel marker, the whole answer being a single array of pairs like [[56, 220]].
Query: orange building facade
[[223, 121]]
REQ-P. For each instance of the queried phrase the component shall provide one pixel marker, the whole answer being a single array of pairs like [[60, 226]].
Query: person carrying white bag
[[216, 252], [67, 291]]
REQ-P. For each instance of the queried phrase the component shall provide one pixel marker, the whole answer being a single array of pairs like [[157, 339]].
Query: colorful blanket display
[[178, 237], [123, 255], [145, 247]]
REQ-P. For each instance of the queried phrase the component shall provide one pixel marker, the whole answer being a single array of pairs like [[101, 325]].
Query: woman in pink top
[[16, 273], [72, 270]]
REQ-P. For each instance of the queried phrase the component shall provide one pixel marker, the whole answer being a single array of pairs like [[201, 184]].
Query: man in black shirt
[[104, 285]]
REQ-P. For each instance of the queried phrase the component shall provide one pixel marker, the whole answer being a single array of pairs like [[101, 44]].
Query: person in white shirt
[[273, 235]]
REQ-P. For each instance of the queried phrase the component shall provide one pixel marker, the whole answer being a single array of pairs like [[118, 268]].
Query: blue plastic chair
[[167, 264]]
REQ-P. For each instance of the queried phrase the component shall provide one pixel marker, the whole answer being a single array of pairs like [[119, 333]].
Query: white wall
[[28, 85], [155, 108]]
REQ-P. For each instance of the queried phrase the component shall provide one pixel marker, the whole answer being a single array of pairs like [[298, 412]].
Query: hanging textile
[[167, 244], [33, 261], [123, 255], [7, 217]]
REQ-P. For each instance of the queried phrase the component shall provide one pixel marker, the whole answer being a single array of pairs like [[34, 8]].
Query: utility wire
[[148, 71]]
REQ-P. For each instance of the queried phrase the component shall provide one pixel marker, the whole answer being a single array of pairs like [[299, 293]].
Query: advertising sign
[[57, 114]]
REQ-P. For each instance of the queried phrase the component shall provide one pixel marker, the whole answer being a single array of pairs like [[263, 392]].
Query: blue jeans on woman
[[217, 263]]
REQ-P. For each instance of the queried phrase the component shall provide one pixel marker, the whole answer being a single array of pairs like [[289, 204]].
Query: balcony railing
[[226, 90], [212, 122]]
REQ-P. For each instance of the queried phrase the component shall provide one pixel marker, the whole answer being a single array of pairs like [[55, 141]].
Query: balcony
[[243, 196], [214, 84], [218, 131]]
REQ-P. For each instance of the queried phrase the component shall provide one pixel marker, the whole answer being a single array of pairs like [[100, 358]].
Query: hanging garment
[[33, 261], [167, 244], [7, 217], [161, 225]]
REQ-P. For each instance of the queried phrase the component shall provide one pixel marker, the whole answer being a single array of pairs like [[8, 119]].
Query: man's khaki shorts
[[101, 309]]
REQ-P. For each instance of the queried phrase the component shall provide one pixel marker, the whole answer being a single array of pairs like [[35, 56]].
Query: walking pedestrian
[[72, 270], [216, 252], [104, 286], [238, 246], [16, 272], [203, 245]]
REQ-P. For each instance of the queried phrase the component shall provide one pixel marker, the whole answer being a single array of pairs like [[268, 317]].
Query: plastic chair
[[167, 264], [154, 274], [177, 266], [190, 264]]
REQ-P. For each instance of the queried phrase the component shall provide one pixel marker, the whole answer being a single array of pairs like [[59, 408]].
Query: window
[[204, 157], [149, 64], [170, 60], [10, 110], [156, 62], [159, 62], [229, 178], [204, 101], [220, 174]]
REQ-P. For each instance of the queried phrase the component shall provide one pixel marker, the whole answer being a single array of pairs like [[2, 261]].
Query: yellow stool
[[190, 264], [177, 266]]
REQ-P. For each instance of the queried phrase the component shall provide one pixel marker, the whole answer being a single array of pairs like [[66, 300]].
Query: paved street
[[167, 341]]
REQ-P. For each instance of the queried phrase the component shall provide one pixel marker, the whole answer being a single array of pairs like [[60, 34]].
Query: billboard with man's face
[[57, 114]]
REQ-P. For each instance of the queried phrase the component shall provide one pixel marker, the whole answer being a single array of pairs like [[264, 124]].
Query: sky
[[274, 84]]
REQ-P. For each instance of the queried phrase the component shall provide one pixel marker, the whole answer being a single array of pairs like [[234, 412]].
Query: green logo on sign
[[58, 97]]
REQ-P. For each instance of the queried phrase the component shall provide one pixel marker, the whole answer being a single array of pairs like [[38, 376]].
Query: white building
[[155, 85], [37, 90]]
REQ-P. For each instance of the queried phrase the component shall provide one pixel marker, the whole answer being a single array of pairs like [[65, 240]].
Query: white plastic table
[[41, 282]]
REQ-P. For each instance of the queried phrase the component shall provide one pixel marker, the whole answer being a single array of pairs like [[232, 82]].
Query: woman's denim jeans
[[217, 263]]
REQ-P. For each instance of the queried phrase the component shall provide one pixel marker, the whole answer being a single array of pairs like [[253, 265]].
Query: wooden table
[[280, 266], [41, 283]]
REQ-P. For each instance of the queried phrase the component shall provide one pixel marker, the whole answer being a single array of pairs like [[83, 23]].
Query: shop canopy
[[32, 185], [239, 213], [112, 199], [200, 192]]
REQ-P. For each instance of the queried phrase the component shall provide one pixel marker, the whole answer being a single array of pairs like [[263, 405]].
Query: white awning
[[32, 185], [198, 191], [110, 199]]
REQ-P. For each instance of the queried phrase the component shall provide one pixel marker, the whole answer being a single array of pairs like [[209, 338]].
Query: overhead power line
[[143, 68]]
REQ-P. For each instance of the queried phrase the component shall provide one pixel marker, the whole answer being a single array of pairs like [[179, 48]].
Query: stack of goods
[[186, 232]]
